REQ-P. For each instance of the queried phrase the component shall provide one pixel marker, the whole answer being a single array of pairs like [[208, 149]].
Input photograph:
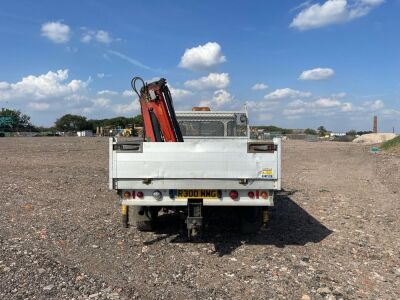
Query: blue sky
[[296, 64]]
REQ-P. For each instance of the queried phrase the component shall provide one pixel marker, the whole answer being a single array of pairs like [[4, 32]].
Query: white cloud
[[180, 94], [127, 109], [219, 99], [212, 81], [330, 106], [327, 102], [102, 75], [40, 106], [76, 97], [157, 78], [321, 106], [286, 93], [332, 12], [263, 106], [202, 57], [86, 38], [317, 74], [296, 103], [51, 85], [205, 103], [56, 32], [128, 93], [374, 105], [103, 37], [107, 102], [391, 113], [347, 106], [100, 36], [265, 117], [4, 85], [259, 86], [107, 93], [222, 97], [102, 102], [293, 111]]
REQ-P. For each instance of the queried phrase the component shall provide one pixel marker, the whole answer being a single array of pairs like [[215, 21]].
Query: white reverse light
[[157, 195]]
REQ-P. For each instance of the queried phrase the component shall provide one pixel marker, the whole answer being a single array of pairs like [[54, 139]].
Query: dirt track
[[334, 232]]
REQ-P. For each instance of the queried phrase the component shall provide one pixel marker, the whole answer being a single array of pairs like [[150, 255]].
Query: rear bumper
[[225, 200], [206, 202]]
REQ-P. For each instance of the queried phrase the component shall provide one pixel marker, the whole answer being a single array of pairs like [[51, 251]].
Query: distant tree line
[[76, 123], [14, 120], [310, 131]]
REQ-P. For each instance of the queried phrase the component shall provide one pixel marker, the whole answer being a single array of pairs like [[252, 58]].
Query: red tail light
[[250, 194], [139, 194], [264, 195], [234, 195]]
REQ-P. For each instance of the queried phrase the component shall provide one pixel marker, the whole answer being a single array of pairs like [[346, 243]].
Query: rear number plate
[[207, 194]]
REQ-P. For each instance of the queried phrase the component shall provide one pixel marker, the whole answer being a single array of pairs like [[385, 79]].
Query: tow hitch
[[194, 219]]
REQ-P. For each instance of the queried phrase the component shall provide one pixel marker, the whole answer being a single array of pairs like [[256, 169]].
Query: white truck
[[216, 165]]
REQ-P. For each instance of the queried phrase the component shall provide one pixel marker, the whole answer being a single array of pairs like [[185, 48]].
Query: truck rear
[[217, 165]]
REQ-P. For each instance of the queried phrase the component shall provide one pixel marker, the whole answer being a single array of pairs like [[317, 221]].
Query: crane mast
[[160, 122]]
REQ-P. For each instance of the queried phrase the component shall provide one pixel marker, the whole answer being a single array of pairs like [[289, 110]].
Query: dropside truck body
[[216, 165]]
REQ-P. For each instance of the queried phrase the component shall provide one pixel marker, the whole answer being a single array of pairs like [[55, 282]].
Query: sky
[[293, 64]]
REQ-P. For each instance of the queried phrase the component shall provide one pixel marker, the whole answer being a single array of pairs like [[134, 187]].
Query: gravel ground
[[334, 233]]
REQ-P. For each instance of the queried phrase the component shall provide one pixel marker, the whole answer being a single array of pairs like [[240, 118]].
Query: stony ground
[[334, 232]]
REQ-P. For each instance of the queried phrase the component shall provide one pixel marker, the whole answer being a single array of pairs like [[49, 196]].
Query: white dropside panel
[[196, 159]]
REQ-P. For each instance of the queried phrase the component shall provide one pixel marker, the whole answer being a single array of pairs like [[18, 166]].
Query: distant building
[[85, 133], [332, 134]]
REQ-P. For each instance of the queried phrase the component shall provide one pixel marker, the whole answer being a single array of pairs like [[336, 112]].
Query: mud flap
[[251, 219], [144, 217]]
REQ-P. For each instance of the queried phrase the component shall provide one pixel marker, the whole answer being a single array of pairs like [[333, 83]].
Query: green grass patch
[[391, 143]]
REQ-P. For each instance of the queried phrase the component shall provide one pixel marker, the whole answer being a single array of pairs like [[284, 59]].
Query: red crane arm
[[158, 112]]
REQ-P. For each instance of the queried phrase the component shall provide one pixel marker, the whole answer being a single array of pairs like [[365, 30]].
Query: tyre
[[145, 218], [251, 219]]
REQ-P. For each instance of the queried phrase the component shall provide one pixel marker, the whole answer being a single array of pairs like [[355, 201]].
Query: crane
[[160, 122], [160, 125]]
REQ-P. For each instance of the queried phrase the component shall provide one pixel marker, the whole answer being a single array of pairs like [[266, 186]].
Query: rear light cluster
[[132, 195], [257, 194], [262, 147], [157, 195], [234, 195]]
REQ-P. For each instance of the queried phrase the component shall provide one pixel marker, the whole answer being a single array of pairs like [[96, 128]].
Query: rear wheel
[[145, 218], [251, 219]]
